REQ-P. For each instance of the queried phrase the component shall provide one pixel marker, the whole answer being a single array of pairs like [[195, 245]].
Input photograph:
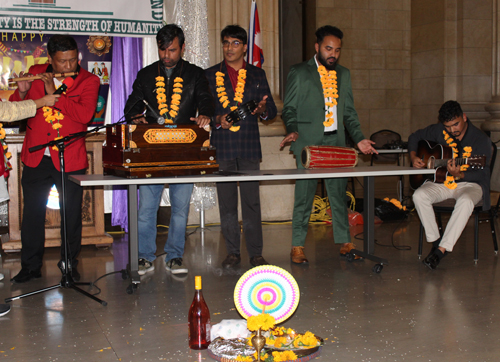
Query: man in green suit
[[318, 108]]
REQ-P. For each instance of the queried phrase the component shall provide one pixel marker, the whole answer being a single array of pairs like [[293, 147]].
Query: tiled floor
[[405, 313]]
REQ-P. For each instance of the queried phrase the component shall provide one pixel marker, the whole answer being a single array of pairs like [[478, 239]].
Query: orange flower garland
[[6, 155], [175, 100], [238, 92], [330, 92], [396, 203], [54, 117], [467, 151]]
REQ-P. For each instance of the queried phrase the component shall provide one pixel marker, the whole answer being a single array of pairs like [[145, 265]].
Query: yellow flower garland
[[238, 92], [330, 90], [175, 100], [467, 151], [6, 155], [396, 203], [54, 117]]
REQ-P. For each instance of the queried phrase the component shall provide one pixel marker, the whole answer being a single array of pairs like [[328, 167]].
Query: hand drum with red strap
[[328, 157]]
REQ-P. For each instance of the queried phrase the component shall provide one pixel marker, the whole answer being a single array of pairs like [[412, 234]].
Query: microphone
[[159, 119], [67, 83]]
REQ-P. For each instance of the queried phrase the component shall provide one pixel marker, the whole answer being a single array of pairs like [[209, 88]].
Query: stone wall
[[376, 48], [451, 48]]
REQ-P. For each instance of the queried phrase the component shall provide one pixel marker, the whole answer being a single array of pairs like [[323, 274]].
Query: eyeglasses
[[233, 44]]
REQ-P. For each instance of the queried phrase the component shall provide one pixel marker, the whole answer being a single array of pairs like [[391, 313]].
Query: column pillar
[[492, 124]]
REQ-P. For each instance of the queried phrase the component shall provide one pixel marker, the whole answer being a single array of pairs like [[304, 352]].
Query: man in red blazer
[[41, 168]]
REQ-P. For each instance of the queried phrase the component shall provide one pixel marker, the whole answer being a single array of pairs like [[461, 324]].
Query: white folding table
[[367, 172]]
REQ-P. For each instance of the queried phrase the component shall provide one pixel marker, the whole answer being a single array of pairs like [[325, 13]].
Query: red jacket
[[77, 105]]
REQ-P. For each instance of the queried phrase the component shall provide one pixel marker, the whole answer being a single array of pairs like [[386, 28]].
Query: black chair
[[449, 204], [385, 139]]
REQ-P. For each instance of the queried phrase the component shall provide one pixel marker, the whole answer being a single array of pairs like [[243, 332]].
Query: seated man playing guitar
[[466, 184]]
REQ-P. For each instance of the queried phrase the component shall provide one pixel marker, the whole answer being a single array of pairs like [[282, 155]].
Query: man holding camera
[[233, 82]]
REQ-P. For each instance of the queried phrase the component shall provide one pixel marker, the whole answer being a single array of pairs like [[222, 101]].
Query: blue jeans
[[149, 202]]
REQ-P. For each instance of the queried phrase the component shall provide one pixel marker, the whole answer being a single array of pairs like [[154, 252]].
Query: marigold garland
[[238, 92], [467, 151], [396, 203], [54, 117], [330, 92], [175, 100], [6, 155]]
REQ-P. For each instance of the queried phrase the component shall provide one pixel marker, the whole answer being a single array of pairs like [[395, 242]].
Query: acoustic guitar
[[437, 156]]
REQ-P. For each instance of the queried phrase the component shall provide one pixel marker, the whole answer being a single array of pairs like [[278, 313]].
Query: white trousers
[[466, 194]]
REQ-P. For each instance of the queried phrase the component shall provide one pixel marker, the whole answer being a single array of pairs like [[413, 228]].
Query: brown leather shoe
[[298, 256], [346, 248]]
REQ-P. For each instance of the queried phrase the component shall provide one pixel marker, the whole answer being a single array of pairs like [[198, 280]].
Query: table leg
[[133, 238], [369, 225], [369, 215]]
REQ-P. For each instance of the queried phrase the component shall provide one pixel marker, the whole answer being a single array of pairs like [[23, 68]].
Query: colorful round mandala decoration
[[268, 288]]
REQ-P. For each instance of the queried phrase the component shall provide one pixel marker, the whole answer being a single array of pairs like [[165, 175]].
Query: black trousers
[[37, 183], [227, 193]]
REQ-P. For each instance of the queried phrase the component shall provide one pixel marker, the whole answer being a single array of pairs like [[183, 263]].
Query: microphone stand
[[67, 279]]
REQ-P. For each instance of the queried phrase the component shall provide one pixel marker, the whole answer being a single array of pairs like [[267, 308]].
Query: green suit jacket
[[304, 108]]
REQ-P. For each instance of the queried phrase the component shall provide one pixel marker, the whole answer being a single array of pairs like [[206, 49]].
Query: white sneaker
[[145, 266], [1, 276], [175, 266]]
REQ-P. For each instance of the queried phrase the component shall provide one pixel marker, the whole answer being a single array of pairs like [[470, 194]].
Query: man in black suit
[[234, 82], [176, 90]]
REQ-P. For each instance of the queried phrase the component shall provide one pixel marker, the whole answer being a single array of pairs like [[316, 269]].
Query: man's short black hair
[[61, 43], [167, 34], [449, 111], [328, 30], [234, 31]]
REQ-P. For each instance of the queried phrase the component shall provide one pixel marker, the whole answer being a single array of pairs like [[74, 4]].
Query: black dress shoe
[[75, 274], [432, 261], [26, 275], [231, 261], [258, 261], [433, 249], [71, 269]]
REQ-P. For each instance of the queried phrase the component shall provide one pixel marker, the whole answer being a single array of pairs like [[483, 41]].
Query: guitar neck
[[443, 162]]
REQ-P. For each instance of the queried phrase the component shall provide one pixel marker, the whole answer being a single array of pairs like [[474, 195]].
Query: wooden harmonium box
[[143, 150]]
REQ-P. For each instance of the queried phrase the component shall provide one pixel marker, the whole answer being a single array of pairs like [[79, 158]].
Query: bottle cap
[[197, 282]]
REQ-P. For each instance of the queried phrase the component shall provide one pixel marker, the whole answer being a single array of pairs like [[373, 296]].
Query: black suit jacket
[[245, 143], [195, 95]]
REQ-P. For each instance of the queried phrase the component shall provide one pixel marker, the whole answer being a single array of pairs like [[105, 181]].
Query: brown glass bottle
[[199, 319]]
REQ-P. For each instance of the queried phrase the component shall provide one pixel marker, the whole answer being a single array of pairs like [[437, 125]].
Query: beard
[[169, 63], [325, 63]]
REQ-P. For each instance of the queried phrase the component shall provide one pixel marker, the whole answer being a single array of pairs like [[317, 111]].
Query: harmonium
[[144, 150]]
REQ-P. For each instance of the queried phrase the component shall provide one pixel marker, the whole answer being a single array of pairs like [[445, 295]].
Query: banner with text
[[137, 18]]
